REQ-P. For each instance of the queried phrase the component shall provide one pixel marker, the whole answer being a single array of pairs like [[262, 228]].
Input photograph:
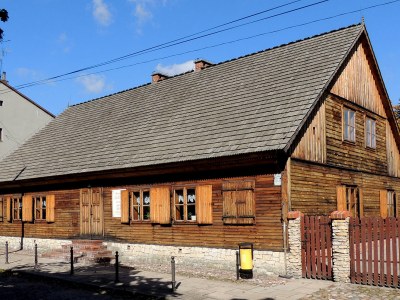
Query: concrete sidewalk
[[157, 284]]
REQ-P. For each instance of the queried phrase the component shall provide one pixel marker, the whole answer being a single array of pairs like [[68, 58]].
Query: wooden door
[[91, 212]]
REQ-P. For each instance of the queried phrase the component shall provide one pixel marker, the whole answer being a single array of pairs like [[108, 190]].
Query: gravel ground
[[216, 274], [339, 291]]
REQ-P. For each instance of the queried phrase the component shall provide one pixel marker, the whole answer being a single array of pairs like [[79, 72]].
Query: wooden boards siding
[[66, 219], [392, 153], [354, 155], [265, 233], [358, 83], [314, 187], [312, 145]]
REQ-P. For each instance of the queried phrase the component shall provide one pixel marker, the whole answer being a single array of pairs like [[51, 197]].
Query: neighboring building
[[194, 164], [20, 118]]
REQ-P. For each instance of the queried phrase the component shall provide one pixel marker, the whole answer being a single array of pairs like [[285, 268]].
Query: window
[[40, 207], [1, 102], [388, 203], [349, 125], [238, 202], [1, 134], [158, 205], [370, 133], [140, 201], [185, 204], [350, 198], [16, 208]]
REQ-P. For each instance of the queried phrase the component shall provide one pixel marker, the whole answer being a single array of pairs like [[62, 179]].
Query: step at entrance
[[90, 251]]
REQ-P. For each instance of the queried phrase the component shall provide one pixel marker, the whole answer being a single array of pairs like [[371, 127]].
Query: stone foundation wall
[[14, 243], [264, 262]]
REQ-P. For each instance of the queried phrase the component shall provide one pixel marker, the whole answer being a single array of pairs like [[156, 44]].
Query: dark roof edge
[[27, 98], [327, 84], [222, 62]]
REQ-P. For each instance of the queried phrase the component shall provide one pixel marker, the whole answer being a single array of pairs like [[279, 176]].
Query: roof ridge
[[226, 61]]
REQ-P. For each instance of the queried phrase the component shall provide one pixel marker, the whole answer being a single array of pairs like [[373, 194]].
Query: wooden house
[[194, 164]]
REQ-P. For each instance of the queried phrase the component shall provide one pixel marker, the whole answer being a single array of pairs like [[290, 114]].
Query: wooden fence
[[316, 249], [374, 251]]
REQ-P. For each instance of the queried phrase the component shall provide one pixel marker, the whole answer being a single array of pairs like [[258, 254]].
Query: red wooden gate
[[374, 251], [316, 247]]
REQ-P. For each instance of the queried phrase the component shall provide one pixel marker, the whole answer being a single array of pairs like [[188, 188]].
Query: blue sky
[[46, 38]]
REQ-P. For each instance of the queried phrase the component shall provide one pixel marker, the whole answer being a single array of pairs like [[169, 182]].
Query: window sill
[[370, 148], [348, 142], [185, 223], [140, 222]]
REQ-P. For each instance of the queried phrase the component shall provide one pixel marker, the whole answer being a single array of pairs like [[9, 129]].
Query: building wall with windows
[[211, 212], [348, 158], [20, 118]]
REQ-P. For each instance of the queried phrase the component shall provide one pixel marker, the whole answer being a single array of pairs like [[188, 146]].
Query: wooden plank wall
[[312, 145], [313, 187], [266, 233], [354, 155], [66, 219], [393, 155], [358, 82]]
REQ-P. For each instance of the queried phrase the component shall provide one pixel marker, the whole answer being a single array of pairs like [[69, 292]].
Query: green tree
[[3, 18], [396, 110]]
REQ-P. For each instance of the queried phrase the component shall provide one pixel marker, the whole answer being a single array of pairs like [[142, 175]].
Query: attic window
[[370, 133], [1, 134], [349, 125], [1, 102]]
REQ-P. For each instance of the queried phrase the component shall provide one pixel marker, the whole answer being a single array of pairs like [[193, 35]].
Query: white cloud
[[92, 83], [101, 13], [64, 42], [175, 69], [142, 14], [143, 10]]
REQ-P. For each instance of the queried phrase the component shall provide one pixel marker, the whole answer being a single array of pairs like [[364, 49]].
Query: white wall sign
[[116, 203], [277, 179]]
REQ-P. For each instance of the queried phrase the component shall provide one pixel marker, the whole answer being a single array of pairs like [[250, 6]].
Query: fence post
[[173, 273], [237, 265], [116, 267], [7, 253], [36, 256], [340, 246], [293, 264], [72, 261]]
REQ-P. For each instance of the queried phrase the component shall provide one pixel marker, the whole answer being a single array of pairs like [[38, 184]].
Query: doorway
[[91, 208]]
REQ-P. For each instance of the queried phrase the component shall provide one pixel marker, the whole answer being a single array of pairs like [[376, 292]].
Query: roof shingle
[[249, 104]]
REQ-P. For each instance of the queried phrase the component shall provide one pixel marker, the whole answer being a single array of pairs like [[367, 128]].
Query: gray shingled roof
[[249, 104]]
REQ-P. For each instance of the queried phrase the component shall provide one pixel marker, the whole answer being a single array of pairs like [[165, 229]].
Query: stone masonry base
[[264, 262]]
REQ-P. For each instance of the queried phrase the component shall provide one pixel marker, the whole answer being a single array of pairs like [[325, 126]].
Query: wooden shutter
[[341, 197], [229, 212], [383, 203], [27, 209], [2, 214], [8, 209], [125, 207], [160, 205], [50, 208], [204, 204], [361, 199]]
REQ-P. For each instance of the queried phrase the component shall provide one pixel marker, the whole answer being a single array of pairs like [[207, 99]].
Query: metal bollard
[[7, 253], [173, 273], [237, 265], [36, 256], [72, 261], [116, 267]]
